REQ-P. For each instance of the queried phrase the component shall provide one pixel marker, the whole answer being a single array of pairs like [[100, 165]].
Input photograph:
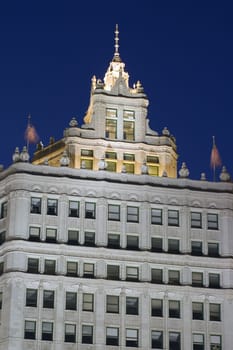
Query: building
[[104, 247]]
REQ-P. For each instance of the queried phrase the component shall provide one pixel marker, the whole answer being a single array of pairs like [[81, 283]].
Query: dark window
[[156, 244], [156, 216], [34, 233], [47, 331], [70, 333], [52, 206], [174, 341], [50, 267], [113, 272], [88, 270], [157, 307], [156, 276], [113, 240], [131, 338], [215, 312], [35, 205], [213, 249], [131, 306], [73, 209], [2, 237], [112, 304], [33, 265], [112, 336], [131, 273], [197, 279], [48, 299], [71, 301], [72, 268], [30, 330], [198, 342], [173, 277], [31, 297], [173, 246], [214, 280], [73, 237], [196, 220], [89, 239], [90, 210], [174, 309], [157, 340], [198, 311], [212, 221], [173, 218], [88, 302], [132, 214], [1, 267], [196, 248], [51, 235], [0, 300], [87, 334], [132, 242], [3, 210], [113, 212]]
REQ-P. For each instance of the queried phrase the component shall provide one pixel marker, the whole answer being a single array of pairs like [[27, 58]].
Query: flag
[[31, 135], [215, 159]]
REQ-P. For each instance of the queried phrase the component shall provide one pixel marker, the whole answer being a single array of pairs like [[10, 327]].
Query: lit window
[[72, 268], [131, 306], [111, 155], [31, 297], [156, 276], [215, 342], [48, 299], [87, 334], [71, 301], [50, 267], [90, 210], [88, 270], [174, 309], [157, 340], [131, 273], [86, 152], [156, 216], [88, 302], [2, 237], [52, 206], [73, 209], [51, 235], [212, 221], [198, 311], [132, 242], [30, 330], [113, 212], [112, 304], [131, 338], [111, 161], [174, 341], [111, 166], [152, 159], [214, 280], [196, 248], [157, 307], [70, 333], [47, 331], [3, 210], [156, 244], [87, 158], [112, 336], [113, 272], [33, 265], [132, 214], [173, 277], [111, 124], [197, 279], [73, 237], [173, 246], [215, 312], [196, 220], [198, 342], [213, 249], [129, 167], [128, 125], [89, 239], [173, 218], [113, 240], [34, 233], [35, 205]]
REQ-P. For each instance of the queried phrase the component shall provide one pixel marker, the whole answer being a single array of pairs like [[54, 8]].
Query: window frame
[[72, 268], [134, 216], [88, 270], [173, 308], [71, 301], [156, 307], [113, 272], [173, 246], [132, 276], [197, 310], [157, 340], [112, 339], [89, 238], [114, 243], [197, 282], [114, 212], [48, 299], [112, 304], [214, 312], [52, 207], [34, 233], [88, 302], [174, 277], [35, 208], [156, 216], [30, 332], [196, 219], [70, 336], [132, 242], [87, 335], [33, 268], [73, 211], [47, 334], [173, 217], [51, 235], [74, 240], [130, 339], [132, 305], [50, 267], [212, 221], [90, 213], [31, 297]]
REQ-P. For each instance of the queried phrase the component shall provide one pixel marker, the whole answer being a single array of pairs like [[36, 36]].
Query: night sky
[[181, 51]]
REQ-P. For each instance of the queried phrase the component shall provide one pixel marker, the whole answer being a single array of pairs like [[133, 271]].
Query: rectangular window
[[0, 300], [31, 297], [129, 157], [72, 269], [113, 212], [131, 338], [73, 237], [197, 279], [157, 307], [110, 155], [174, 341], [213, 249], [173, 218], [132, 214], [156, 216], [51, 235], [112, 336], [156, 244], [128, 125], [86, 163], [215, 342], [112, 304], [132, 273], [157, 339], [52, 206], [47, 331], [88, 302], [152, 159], [212, 221], [86, 152], [173, 246], [174, 277], [50, 267], [70, 333], [34, 233], [197, 311], [90, 210], [71, 301], [1, 267], [113, 272], [198, 342], [33, 265], [2, 237], [111, 124], [73, 209], [35, 205], [48, 299], [215, 312], [196, 220], [87, 334], [214, 280], [111, 166], [131, 306], [196, 248], [157, 276], [30, 330], [113, 241], [132, 242], [3, 210], [89, 239], [88, 270], [174, 309]]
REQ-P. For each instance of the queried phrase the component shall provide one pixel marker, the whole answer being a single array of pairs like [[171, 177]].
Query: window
[[198, 342], [212, 221], [88, 270], [198, 311], [111, 161], [215, 312], [156, 244], [112, 336], [87, 334], [2, 237], [3, 210], [31, 297], [72, 269], [128, 125], [48, 299], [174, 341], [90, 210], [89, 239], [129, 157], [197, 279], [113, 240], [173, 246], [1, 267], [51, 235], [196, 248], [73, 209], [34, 233], [113, 272], [131, 273], [73, 237], [70, 333], [86, 152], [174, 309], [113, 212], [52, 206], [71, 301], [33, 265], [156, 276], [132, 214], [131, 338], [129, 167], [173, 218], [173, 277], [30, 330], [112, 304], [0, 300], [152, 159], [157, 340], [131, 306], [50, 267], [214, 280], [156, 216], [47, 331], [132, 242], [88, 302], [215, 342], [111, 155], [157, 307], [35, 205], [213, 249], [111, 123], [196, 220]]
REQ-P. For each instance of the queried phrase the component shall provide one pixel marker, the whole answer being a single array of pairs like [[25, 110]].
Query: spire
[[116, 57]]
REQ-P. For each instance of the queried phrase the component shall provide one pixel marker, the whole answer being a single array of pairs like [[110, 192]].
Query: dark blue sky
[[181, 51]]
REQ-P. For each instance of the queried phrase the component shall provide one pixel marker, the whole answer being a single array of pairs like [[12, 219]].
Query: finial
[[116, 53], [224, 176], [184, 172]]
